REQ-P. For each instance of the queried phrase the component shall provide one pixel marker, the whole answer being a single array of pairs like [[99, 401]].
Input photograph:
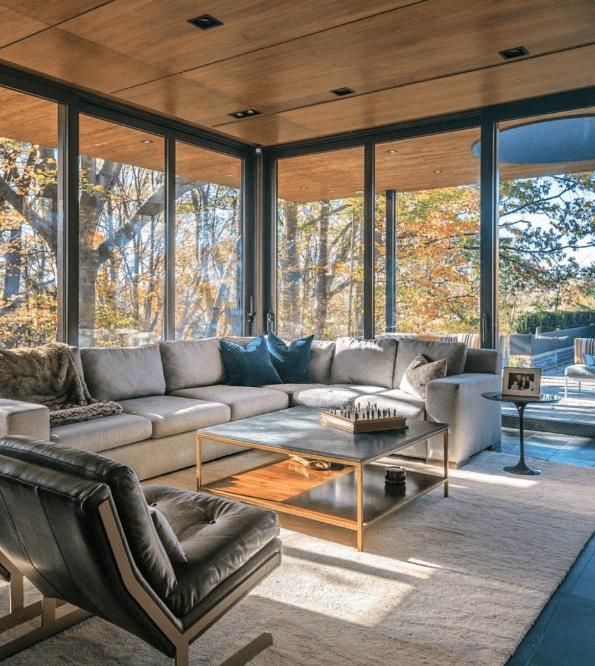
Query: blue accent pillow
[[589, 359], [290, 362], [250, 365]]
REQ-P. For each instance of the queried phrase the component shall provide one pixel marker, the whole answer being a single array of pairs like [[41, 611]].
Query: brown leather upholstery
[[53, 501]]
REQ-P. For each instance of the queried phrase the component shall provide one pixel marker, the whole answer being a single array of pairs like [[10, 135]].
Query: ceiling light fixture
[[205, 22], [437, 170], [146, 141], [517, 52], [245, 114], [341, 92], [391, 152]]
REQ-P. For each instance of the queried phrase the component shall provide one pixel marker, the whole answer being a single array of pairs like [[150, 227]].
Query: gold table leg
[[359, 470]]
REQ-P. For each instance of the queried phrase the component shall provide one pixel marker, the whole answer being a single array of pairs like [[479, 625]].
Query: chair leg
[[240, 658]]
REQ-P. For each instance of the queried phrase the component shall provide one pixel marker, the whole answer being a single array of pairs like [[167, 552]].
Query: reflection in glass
[[28, 220], [208, 243], [121, 235]]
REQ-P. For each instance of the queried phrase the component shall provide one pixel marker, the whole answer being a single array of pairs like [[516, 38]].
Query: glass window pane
[[208, 243], [122, 238], [546, 259], [28, 219], [435, 184], [320, 249]]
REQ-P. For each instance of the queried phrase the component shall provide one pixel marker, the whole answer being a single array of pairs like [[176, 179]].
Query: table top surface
[[299, 430], [543, 398]]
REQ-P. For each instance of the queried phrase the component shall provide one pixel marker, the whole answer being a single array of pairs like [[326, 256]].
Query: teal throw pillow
[[290, 361], [589, 359], [250, 365]]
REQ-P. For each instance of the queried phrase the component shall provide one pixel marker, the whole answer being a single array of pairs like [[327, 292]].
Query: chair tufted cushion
[[220, 534]]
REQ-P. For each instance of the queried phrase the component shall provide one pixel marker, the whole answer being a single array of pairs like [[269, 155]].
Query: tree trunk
[[321, 294]]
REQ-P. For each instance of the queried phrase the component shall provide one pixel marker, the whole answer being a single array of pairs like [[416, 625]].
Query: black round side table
[[521, 402]]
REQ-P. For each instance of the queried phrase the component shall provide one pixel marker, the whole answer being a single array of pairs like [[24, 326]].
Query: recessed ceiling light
[[303, 188], [245, 114], [341, 92], [146, 141], [438, 171], [205, 21], [391, 152], [517, 52]]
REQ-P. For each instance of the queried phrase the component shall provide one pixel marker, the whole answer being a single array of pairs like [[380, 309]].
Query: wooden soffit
[[404, 60]]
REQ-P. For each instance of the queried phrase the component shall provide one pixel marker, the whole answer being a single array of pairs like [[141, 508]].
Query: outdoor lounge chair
[[78, 526], [580, 371]]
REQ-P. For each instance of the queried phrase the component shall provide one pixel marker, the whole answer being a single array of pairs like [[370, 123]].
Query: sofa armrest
[[24, 418], [475, 423]]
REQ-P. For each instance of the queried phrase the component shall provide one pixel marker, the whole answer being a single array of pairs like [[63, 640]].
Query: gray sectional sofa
[[169, 390]]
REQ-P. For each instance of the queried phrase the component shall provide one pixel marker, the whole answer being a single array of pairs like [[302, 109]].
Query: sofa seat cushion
[[170, 415], [580, 370], [243, 401], [405, 404], [290, 389], [218, 536], [102, 434], [333, 395]]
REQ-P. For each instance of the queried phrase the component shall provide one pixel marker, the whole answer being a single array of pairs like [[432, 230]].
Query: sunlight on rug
[[453, 581]]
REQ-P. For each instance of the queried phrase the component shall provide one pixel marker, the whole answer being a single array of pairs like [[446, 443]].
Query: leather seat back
[[48, 459]]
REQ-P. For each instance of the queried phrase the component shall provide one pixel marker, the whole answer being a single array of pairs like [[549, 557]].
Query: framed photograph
[[521, 382]]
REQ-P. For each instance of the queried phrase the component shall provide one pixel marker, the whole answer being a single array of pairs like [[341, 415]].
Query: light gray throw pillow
[[420, 371]]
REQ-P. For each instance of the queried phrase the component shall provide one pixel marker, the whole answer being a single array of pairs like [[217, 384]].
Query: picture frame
[[521, 382]]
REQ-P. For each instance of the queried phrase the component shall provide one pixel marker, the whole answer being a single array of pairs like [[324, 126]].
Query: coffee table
[[351, 495]]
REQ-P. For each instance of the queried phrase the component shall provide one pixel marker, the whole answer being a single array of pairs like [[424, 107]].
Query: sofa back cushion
[[122, 373], [190, 363], [320, 362], [455, 354], [369, 362]]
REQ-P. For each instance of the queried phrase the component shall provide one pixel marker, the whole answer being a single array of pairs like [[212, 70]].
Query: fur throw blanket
[[50, 375]]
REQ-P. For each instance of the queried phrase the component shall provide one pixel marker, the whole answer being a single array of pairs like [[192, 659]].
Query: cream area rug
[[452, 581]]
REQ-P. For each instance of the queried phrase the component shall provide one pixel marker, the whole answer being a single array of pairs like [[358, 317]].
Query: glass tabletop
[[528, 399]]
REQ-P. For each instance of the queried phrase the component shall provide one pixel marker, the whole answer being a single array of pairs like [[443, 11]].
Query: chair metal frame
[[52, 624]]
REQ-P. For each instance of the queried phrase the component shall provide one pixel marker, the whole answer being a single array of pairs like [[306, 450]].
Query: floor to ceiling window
[[320, 244], [547, 233], [28, 219], [122, 236], [209, 237], [428, 188]]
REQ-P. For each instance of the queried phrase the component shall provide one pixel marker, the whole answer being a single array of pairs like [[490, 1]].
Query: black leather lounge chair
[[78, 526]]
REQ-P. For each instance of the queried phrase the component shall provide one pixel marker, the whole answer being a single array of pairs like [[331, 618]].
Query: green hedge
[[552, 321]]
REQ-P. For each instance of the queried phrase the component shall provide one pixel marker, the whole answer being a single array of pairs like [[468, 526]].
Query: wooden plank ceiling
[[403, 59]]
